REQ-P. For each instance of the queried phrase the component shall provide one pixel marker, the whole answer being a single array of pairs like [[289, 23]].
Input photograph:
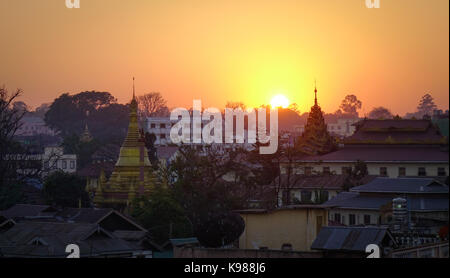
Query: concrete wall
[[298, 227]]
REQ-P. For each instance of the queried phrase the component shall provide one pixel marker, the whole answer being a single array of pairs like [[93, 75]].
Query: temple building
[[132, 175], [86, 135], [315, 139]]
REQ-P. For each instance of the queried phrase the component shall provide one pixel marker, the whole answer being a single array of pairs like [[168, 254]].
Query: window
[[306, 196], [401, 171], [383, 171], [152, 126], [72, 164], [366, 219], [286, 247], [323, 196], [326, 170], [441, 172], [337, 217], [422, 171], [162, 126], [352, 219], [346, 170], [308, 171], [163, 136], [64, 164]]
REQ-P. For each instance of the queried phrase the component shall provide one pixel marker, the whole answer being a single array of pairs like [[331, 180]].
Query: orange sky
[[229, 50]]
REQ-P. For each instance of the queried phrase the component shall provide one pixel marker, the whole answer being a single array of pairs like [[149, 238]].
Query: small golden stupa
[[132, 176]]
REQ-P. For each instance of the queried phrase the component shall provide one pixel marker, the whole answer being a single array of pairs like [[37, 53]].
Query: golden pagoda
[[315, 139], [132, 176]]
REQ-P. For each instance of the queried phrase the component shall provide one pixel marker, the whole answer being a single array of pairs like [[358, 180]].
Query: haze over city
[[220, 51]]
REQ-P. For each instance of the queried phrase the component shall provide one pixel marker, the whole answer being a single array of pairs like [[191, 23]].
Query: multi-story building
[[160, 127], [53, 159], [33, 126]]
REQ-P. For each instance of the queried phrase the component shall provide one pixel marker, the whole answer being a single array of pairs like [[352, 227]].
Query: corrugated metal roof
[[348, 238], [353, 200], [403, 185]]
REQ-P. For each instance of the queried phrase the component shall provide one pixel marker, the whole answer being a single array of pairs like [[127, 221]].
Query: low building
[[50, 240], [120, 228], [288, 228], [426, 207]]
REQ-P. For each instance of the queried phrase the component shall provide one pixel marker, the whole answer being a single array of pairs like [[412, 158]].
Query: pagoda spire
[[134, 96], [315, 92]]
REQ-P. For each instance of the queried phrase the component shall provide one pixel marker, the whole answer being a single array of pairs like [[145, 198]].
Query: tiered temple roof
[[316, 139]]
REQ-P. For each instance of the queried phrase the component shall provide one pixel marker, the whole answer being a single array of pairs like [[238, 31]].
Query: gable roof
[[349, 238], [54, 237], [77, 215]]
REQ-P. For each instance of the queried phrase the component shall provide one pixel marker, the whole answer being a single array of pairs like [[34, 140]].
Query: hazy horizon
[[220, 51]]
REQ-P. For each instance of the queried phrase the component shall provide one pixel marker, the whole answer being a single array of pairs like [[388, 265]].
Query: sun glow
[[279, 101]]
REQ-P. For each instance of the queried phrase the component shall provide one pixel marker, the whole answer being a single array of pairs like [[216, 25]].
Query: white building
[[54, 159], [343, 127], [33, 126], [160, 127]]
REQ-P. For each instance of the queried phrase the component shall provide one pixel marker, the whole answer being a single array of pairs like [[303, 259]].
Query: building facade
[[289, 228]]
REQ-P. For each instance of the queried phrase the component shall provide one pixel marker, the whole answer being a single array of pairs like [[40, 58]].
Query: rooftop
[[403, 185], [383, 153], [353, 200], [349, 238], [397, 131]]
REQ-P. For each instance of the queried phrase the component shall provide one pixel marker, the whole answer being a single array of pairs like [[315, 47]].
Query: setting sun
[[279, 101]]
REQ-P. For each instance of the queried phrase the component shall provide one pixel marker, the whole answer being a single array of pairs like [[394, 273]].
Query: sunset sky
[[229, 50]]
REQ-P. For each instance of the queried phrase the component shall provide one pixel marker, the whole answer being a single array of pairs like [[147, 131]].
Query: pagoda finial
[[133, 89], [315, 92]]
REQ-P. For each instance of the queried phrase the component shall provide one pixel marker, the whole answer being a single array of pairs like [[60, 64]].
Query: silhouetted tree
[[162, 215], [234, 105], [152, 105], [380, 113], [350, 105], [107, 120], [220, 229], [426, 105], [65, 190]]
